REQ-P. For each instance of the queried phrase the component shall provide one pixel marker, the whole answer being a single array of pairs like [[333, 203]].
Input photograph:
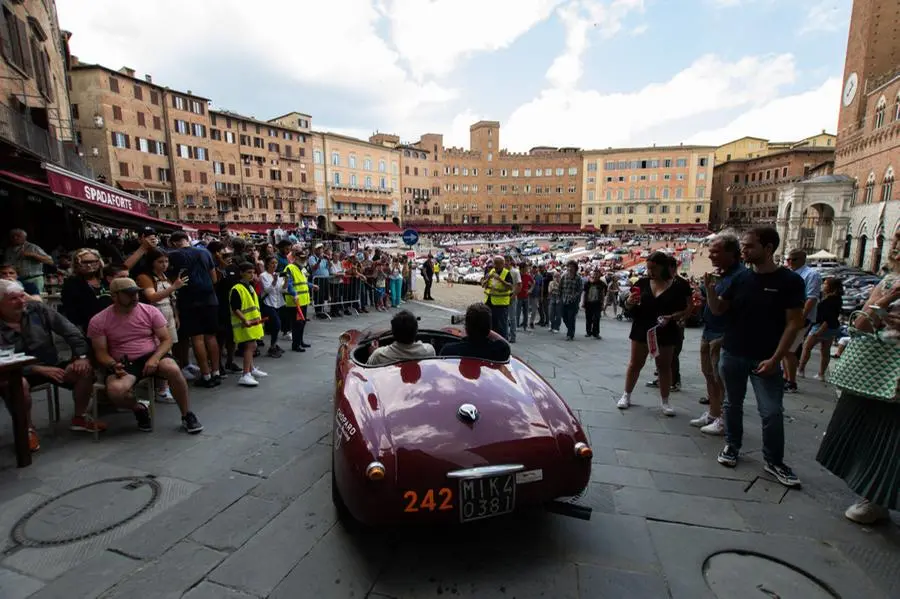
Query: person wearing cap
[[131, 341], [297, 298], [246, 323], [498, 289], [28, 327], [198, 305]]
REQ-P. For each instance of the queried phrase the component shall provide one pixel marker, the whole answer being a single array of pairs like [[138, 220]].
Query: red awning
[[130, 185], [355, 227], [22, 179], [385, 227], [93, 198]]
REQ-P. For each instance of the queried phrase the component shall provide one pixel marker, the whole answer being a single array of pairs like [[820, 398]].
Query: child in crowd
[[246, 323]]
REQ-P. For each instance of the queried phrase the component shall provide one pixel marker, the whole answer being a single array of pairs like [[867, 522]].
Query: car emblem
[[467, 413]]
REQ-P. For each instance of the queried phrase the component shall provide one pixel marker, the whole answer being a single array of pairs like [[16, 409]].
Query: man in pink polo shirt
[[131, 340]]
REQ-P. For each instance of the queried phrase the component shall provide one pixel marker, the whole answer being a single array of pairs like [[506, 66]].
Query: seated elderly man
[[477, 342], [404, 328], [28, 327], [131, 340]]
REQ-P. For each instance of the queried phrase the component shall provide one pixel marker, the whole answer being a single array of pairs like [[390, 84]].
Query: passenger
[[477, 342], [404, 327]]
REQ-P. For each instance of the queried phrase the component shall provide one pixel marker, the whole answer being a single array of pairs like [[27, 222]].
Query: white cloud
[[783, 119], [563, 116], [433, 35], [580, 18], [640, 30], [331, 44], [824, 16]]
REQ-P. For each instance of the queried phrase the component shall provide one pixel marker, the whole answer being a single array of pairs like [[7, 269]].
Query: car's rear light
[[375, 471], [582, 450]]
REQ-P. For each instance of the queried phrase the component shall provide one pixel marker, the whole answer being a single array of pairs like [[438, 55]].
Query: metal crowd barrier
[[334, 295]]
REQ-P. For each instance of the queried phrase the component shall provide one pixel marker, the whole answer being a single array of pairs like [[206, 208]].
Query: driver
[[477, 342], [404, 327]]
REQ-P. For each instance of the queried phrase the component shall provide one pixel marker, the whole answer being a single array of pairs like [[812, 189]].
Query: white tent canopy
[[822, 255]]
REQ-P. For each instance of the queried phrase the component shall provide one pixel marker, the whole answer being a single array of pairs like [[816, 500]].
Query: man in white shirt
[[516, 278], [404, 327]]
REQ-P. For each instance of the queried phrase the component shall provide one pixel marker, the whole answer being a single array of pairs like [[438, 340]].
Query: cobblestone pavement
[[244, 510]]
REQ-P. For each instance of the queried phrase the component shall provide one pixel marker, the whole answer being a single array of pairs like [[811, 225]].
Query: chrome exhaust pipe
[[565, 508]]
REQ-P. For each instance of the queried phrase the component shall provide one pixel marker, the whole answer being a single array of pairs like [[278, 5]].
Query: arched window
[[879, 112], [353, 181], [351, 160], [870, 189], [855, 192], [382, 166], [897, 108], [887, 186], [335, 159]]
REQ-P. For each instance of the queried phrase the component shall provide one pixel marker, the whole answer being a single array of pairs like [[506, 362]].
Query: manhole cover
[[745, 575], [86, 511]]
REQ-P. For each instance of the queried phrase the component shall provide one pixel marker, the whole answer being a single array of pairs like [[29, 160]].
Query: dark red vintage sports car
[[449, 439]]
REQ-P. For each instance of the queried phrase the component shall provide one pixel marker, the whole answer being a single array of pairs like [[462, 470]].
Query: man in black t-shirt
[[764, 312], [477, 342]]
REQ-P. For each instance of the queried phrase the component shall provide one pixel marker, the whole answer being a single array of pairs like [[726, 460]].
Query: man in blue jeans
[[764, 313]]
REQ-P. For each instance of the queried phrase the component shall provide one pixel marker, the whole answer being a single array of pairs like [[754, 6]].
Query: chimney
[[127, 71], [148, 78]]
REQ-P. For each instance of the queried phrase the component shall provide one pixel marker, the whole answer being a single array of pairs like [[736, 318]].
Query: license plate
[[486, 497]]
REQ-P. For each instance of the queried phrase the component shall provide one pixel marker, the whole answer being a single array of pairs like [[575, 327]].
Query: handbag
[[869, 367]]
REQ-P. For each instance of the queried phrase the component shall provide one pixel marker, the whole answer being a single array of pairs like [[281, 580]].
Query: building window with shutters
[[119, 140], [117, 113], [187, 177], [148, 173], [113, 85], [123, 169]]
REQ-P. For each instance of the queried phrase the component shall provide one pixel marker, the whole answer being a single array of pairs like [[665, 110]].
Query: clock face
[[850, 88]]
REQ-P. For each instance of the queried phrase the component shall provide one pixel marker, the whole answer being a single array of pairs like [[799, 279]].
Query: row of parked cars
[[858, 284]]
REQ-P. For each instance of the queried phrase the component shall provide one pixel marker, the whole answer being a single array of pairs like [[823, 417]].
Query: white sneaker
[[287, 336], [866, 512], [716, 427], [702, 421], [666, 408], [165, 396], [247, 380], [189, 374], [624, 402], [818, 377], [256, 372], [801, 374]]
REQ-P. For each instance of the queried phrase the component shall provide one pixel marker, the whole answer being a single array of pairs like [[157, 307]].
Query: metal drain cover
[[744, 575], [86, 511]]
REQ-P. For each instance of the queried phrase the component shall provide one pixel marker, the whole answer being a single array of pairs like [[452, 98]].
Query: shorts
[[198, 320], [823, 332], [135, 367], [797, 343], [710, 350]]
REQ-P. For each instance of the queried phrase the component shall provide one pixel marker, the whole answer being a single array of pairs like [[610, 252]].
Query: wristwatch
[[81, 357]]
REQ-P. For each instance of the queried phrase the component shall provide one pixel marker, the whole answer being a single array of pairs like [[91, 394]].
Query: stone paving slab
[[175, 572], [91, 578], [683, 562], [261, 564]]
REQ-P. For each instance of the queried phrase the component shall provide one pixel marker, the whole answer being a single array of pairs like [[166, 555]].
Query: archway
[[847, 243], [861, 250], [817, 227]]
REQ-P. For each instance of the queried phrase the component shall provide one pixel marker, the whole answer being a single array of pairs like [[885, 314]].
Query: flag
[[300, 313]]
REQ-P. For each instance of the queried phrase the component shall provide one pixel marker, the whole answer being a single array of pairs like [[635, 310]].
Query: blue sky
[[588, 73]]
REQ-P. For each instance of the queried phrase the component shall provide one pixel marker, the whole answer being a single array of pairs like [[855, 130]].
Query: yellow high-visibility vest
[[301, 287], [250, 310], [497, 293]]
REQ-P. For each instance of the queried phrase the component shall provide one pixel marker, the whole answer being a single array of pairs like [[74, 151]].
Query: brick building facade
[[868, 146]]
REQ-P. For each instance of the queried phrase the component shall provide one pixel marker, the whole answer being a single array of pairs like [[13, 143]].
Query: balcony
[[18, 130]]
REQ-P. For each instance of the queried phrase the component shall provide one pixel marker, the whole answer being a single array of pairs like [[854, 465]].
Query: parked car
[[447, 439]]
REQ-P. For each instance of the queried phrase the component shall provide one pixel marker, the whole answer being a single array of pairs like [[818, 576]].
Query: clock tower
[[873, 50]]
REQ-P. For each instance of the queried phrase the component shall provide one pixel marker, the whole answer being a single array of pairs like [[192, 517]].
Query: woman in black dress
[[659, 300]]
